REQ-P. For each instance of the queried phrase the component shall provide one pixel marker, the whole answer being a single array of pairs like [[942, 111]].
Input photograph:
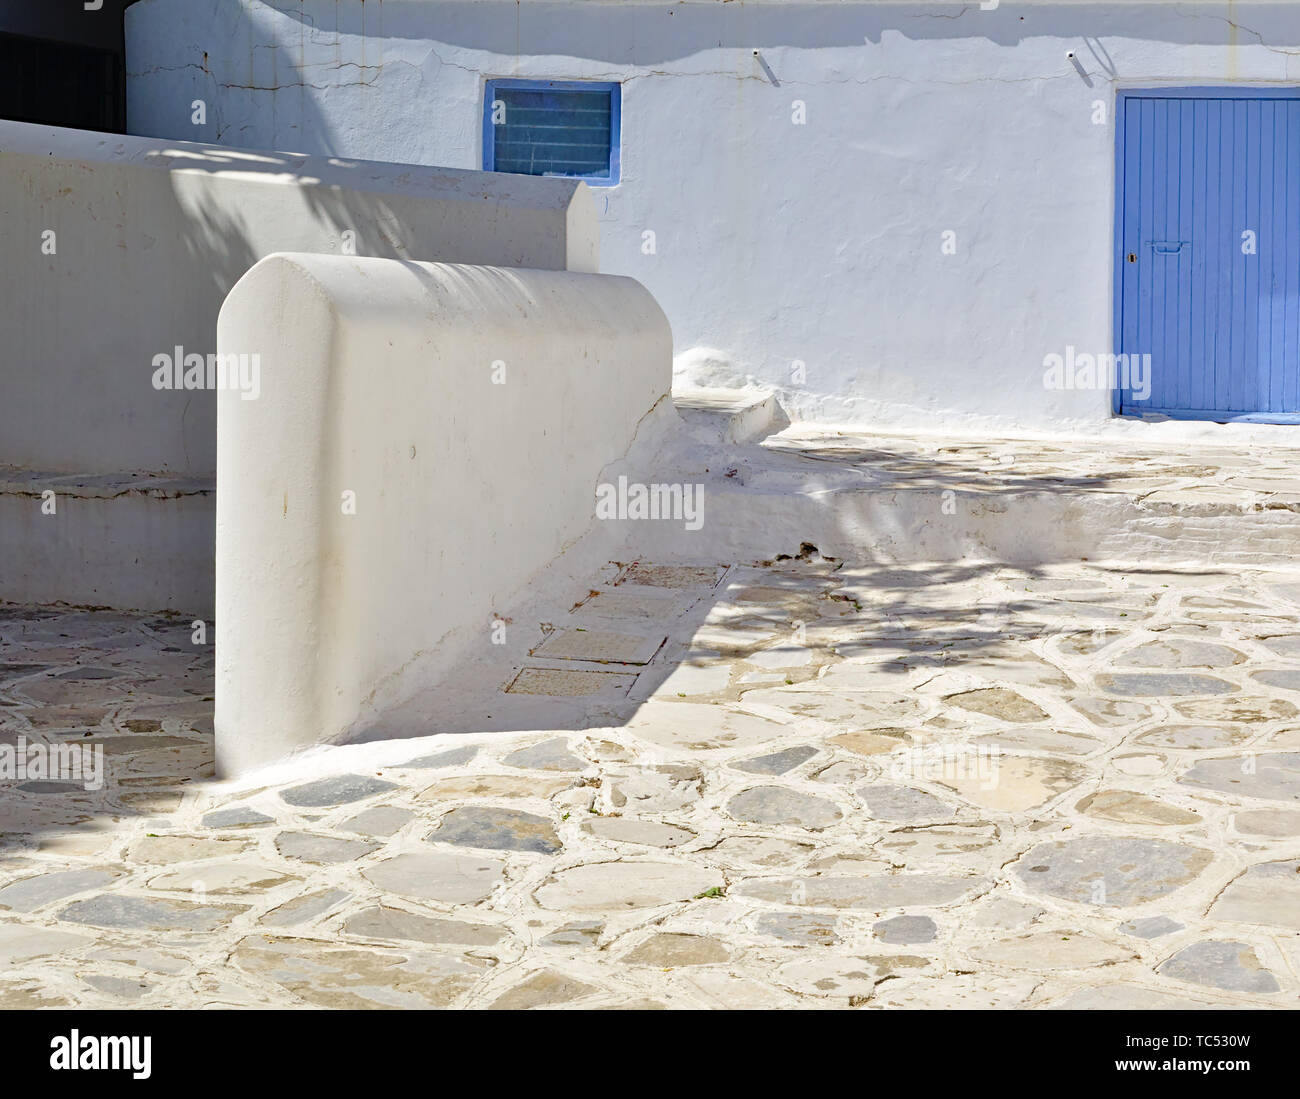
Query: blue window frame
[[552, 128]]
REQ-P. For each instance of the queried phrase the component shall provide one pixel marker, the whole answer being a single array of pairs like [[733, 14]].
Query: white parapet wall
[[119, 249], [118, 252], [426, 439]]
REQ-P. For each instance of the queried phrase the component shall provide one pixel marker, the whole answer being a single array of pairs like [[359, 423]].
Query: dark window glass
[[542, 129]]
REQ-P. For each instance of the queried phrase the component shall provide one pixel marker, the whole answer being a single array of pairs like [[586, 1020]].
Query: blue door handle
[[1168, 247]]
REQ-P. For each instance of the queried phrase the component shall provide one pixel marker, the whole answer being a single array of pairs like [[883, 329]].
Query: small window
[[552, 128]]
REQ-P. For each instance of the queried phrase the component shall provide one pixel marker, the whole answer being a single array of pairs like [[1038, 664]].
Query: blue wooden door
[[1208, 254]]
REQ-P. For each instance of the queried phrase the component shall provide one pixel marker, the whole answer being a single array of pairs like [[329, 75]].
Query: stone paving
[[1242, 474], [837, 785]]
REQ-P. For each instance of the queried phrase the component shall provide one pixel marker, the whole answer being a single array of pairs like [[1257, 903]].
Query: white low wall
[[426, 439], [119, 249]]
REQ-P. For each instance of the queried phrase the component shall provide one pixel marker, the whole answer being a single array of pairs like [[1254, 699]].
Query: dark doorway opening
[[62, 84]]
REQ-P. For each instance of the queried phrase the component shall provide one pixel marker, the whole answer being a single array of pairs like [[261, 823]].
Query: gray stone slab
[[330, 975], [543, 989], [1163, 685], [336, 790], [778, 805], [805, 928], [621, 886], [447, 878], [1110, 712], [123, 988], [759, 851], [29, 894], [999, 702], [238, 816], [1276, 823], [903, 804], [904, 930], [777, 763], [149, 913], [1128, 807], [380, 820], [1232, 966], [1181, 652], [1267, 894], [1110, 871], [392, 923], [1274, 776], [88, 673], [920, 843], [581, 934], [547, 755], [1195, 737], [21, 942], [217, 876], [1151, 927], [1288, 645], [455, 757], [321, 850], [1288, 679], [647, 833], [668, 950], [496, 829], [1052, 948], [301, 910]]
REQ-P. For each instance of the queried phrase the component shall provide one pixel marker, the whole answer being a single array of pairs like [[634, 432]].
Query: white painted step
[[729, 416]]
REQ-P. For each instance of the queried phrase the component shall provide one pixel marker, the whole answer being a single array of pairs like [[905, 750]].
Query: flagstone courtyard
[[958, 785], [479, 531]]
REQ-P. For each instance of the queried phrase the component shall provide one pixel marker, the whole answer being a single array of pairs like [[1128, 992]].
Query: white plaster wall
[[151, 235], [775, 243], [108, 545], [378, 380]]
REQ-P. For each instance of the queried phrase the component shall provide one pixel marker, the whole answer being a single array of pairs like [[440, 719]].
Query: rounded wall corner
[[265, 280]]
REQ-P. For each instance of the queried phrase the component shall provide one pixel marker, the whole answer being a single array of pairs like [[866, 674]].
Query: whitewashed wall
[[775, 243], [120, 249], [428, 438]]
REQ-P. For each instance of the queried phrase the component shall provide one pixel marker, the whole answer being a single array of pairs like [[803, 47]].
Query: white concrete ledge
[[426, 439]]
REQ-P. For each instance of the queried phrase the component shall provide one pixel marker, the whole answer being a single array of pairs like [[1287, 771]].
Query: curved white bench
[[377, 379]]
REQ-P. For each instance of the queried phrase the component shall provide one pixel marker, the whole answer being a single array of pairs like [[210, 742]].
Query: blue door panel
[[1219, 321]]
